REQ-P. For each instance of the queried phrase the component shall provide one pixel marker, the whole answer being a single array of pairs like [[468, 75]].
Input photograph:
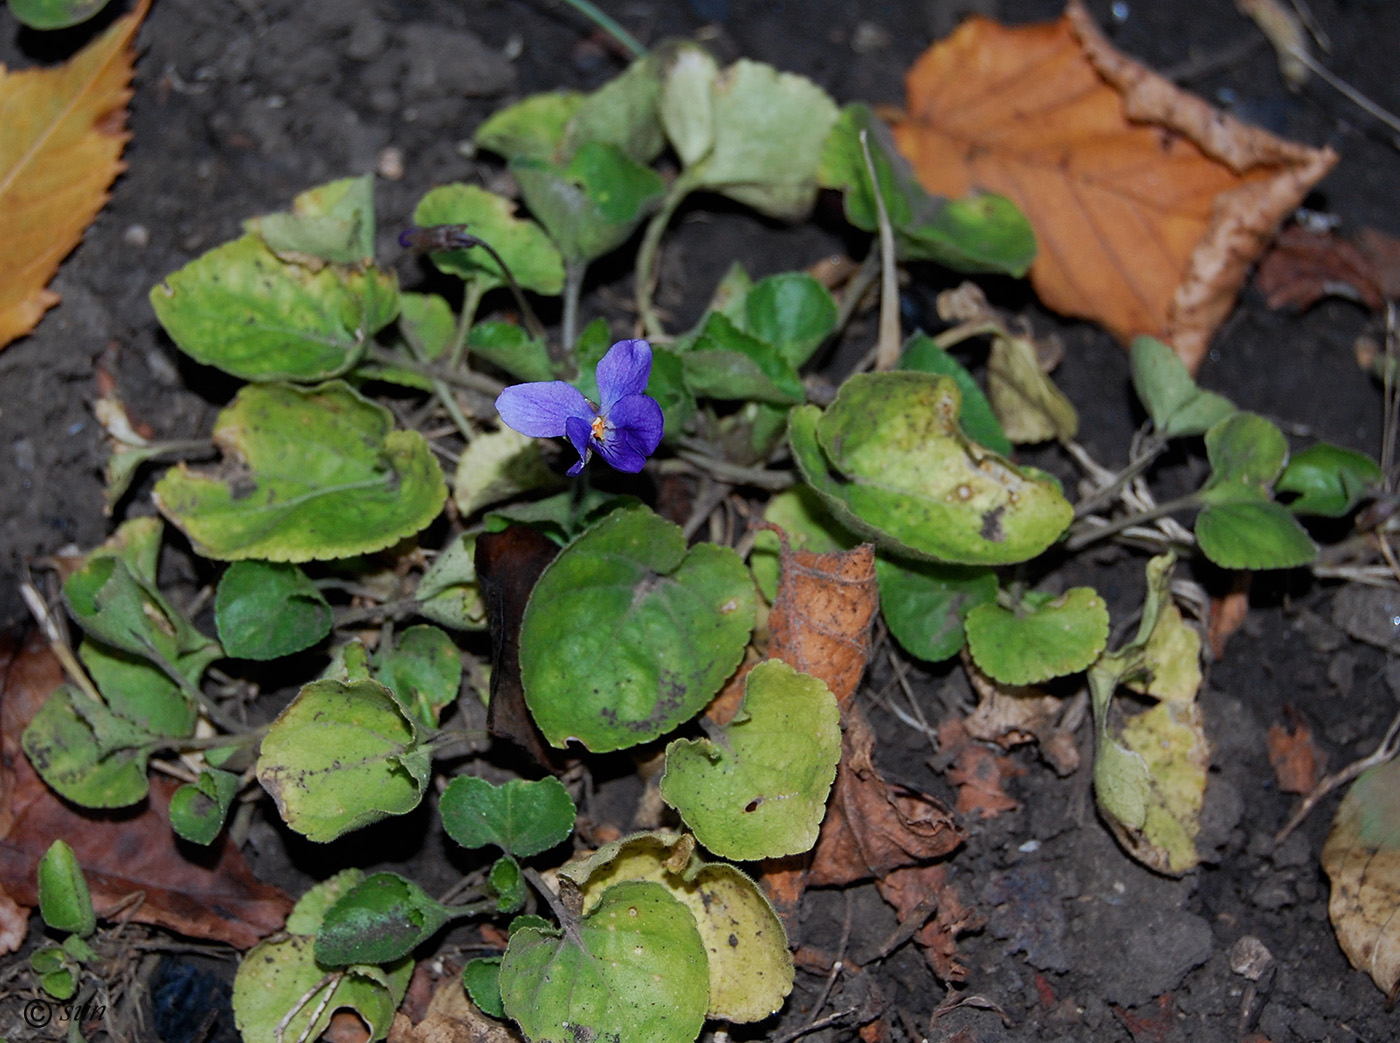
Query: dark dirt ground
[[240, 104]]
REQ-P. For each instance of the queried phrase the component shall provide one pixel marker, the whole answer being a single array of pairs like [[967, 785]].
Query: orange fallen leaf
[[60, 150], [1296, 759], [122, 852], [1148, 205]]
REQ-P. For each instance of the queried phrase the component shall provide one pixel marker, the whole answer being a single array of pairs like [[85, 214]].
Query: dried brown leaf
[[64, 130], [821, 617], [1297, 761], [1148, 205]]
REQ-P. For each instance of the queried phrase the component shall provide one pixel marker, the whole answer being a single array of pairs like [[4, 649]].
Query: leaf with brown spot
[[1148, 205], [64, 130], [820, 622], [1296, 759], [210, 894]]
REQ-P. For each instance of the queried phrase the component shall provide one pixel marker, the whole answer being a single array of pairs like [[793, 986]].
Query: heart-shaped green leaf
[[791, 311], [85, 752], [1253, 534], [924, 603], [481, 977], [592, 204], [907, 477], [266, 610], [341, 756], [634, 969], [242, 308], [1328, 480], [521, 244], [748, 132], [727, 363], [759, 788], [423, 668], [520, 817], [1045, 636], [281, 992], [1176, 405], [331, 222], [308, 474], [139, 691], [627, 633]]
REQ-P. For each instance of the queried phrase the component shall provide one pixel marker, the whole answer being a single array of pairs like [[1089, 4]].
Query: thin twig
[[826, 1022], [1386, 751]]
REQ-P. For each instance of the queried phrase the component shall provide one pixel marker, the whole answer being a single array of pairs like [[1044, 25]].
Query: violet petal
[[543, 408], [580, 432], [621, 453], [623, 371], [641, 418]]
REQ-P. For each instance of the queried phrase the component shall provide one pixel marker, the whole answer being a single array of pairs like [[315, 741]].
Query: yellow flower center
[[599, 426]]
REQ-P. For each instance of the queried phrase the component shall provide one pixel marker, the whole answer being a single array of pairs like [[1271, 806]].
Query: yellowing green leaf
[[60, 150], [1362, 859], [751, 970]]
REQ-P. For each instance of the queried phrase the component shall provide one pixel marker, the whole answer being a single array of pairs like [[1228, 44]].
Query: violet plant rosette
[[624, 428]]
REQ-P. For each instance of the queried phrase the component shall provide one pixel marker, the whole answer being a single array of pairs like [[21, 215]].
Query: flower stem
[[470, 302], [608, 25], [648, 267], [574, 272]]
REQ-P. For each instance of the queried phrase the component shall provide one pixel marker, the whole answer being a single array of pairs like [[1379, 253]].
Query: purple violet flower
[[624, 429]]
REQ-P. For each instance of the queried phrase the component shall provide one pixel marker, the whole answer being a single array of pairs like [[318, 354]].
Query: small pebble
[[138, 236], [389, 165], [869, 38], [1250, 958]]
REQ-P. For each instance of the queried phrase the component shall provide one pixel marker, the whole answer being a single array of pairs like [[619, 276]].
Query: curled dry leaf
[[1010, 715], [1148, 205], [873, 827], [124, 852]]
